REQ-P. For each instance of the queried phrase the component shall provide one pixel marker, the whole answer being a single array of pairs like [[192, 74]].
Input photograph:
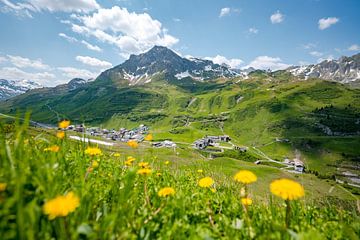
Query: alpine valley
[[274, 114]]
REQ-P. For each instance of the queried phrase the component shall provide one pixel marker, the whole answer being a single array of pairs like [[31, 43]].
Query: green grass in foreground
[[118, 203]]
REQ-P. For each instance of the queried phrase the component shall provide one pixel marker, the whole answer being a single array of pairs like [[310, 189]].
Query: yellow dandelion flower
[[246, 201], [245, 176], [128, 163], [60, 134], [132, 143], [54, 148], [93, 151], [131, 159], [287, 189], [95, 164], [143, 164], [144, 171], [116, 154], [167, 163], [206, 182], [213, 190], [61, 206], [166, 191], [200, 171], [148, 137], [2, 187], [64, 124]]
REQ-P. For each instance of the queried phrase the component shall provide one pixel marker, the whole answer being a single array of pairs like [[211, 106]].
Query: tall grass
[[118, 203]]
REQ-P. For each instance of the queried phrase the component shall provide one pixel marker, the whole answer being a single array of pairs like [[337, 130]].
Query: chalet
[[200, 144], [298, 165]]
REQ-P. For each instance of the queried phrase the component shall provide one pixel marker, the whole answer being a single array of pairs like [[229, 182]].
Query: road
[[37, 124]]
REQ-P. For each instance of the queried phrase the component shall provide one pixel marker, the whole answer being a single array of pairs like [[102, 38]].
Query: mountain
[[343, 70], [141, 69], [10, 89]]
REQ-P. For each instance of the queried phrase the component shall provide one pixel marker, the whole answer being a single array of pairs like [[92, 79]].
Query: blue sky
[[53, 41]]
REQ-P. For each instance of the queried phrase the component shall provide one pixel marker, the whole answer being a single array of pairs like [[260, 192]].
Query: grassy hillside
[[107, 198], [320, 119]]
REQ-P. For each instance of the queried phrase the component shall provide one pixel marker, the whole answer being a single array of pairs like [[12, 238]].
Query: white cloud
[[16, 74], [277, 17], [94, 62], [266, 62], [327, 22], [91, 47], [24, 8], [3, 59], [328, 58], [68, 38], [253, 30], [354, 47], [316, 54], [65, 5], [308, 46], [22, 62], [19, 9], [129, 31], [85, 43], [233, 62], [176, 19], [71, 73], [224, 12]]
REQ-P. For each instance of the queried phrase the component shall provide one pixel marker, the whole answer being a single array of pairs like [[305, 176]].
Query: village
[[123, 135], [138, 134]]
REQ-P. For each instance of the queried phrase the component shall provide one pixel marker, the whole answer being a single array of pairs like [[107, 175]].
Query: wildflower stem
[[288, 214], [147, 199], [153, 214]]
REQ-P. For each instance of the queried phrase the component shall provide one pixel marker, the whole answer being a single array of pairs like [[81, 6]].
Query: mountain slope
[[343, 70], [10, 89], [140, 69]]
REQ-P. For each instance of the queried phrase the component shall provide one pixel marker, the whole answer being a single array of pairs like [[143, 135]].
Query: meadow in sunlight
[[54, 188]]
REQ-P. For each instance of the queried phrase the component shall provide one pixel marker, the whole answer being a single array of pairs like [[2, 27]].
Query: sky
[[51, 42]]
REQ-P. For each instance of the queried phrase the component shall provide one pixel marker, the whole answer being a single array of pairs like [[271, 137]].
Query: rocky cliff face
[[10, 88], [139, 69], [344, 70]]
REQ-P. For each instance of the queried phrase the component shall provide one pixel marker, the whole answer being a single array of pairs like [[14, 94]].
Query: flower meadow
[[54, 188]]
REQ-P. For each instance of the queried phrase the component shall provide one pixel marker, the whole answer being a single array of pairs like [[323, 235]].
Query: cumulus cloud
[[70, 72], [266, 62], [16, 74], [316, 54], [25, 8], [22, 62], [94, 62], [327, 22], [129, 31], [354, 47], [277, 17], [224, 12], [233, 62]]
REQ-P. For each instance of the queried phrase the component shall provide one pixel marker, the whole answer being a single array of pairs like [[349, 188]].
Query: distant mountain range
[[343, 70], [161, 61], [10, 88]]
